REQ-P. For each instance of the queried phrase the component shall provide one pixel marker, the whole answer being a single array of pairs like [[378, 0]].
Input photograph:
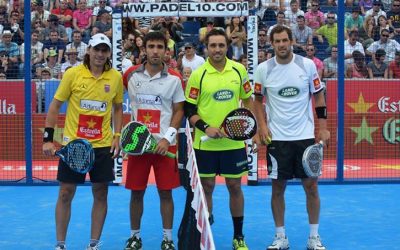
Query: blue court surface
[[352, 217]]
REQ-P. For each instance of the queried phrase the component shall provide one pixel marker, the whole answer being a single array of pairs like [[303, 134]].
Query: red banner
[[12, 97]]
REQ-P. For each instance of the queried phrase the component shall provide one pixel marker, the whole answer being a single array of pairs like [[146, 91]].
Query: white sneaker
[[94, 246], [314, 243], [280, 243], [61, 247]]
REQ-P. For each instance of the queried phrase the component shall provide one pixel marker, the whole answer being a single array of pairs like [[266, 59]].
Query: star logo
[[361, 106], [364, 132], [147, 118], [91, 123]]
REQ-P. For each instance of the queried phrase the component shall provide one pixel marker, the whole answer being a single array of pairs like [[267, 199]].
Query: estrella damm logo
[[223, 95], [289, 92], [391, 131]]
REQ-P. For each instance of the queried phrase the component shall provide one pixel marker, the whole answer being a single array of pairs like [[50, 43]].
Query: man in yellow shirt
[[94, 91]]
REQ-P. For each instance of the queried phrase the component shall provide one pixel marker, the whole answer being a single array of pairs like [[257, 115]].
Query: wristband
[[170, 135], [48, 134], [321, 112], [200, 124], [117, 134]]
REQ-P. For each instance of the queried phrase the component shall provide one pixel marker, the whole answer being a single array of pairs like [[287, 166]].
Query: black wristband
[[200, 124], [48, 134], [321, 112]]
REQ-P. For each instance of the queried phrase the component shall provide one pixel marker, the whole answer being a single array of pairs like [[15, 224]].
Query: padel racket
[[312, 160], [239, 125], [136, 139], [78, 155]]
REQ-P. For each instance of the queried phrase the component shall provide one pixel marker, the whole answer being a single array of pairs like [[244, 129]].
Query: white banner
[[252, 62], [186, 9], [117, 41]]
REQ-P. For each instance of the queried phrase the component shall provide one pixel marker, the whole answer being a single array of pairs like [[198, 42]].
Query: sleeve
[[259, 88], [315, 83], [178, 96], [192, 91], [64, 88], [120, 90], [246, 90]]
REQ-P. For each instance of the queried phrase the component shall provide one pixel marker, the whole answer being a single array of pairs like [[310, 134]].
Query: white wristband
[[170, 135]]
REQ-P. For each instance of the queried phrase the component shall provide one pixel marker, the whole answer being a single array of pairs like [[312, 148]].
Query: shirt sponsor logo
[[223, 95], [148, 99], [317, 83], [90, 127], [257, 88], [247, 87], [289, 92], [151, 118], [194, 93], [107, 88], [94, 105]]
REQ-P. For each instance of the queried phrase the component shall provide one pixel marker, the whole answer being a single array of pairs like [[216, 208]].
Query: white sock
[[167, 233], [135, 233], [314, 230], [280, 231]]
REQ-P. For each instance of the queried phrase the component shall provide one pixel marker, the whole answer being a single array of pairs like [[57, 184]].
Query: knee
[[65, 195], [137, 196], [312, 189], [100, 193], [234, 188]]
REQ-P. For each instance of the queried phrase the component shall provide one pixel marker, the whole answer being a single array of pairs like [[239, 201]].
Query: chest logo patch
[[90, 126], [289, 92], [223, 95], [148, 99]]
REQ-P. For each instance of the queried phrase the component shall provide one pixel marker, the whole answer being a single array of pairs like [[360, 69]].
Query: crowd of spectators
[[62, 28]]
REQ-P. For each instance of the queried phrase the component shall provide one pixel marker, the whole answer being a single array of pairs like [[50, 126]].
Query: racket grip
[[205, 138], [171, 155]]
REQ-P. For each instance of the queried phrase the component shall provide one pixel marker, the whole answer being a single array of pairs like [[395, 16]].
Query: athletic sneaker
[[133, 243], [279, 243], [93, 246], [167, 244], [239, 244], [314, 243], [60, 247]]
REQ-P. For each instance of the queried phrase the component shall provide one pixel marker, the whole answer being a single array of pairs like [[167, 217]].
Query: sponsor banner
[[12, 97], [117, 41], [188, 9]]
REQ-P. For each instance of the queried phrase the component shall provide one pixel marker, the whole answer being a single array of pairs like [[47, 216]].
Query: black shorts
[[284, 159], [103, 170], [228, 163]]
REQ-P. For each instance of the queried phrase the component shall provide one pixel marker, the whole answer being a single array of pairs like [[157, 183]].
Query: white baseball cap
[[99, 39]]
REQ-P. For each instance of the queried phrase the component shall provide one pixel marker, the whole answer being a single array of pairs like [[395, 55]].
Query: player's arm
[[320, 109], [50, 124], [117, 125]]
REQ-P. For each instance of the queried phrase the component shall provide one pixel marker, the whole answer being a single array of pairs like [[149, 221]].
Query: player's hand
[[215, 133], [324, 135], [265, 136], [162, 147], [115, 149], [49, 149]]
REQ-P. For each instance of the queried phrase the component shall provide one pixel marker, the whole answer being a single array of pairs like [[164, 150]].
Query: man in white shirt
[[292, 14], [385, 43], [351, 45], [77, 43], [376, 10], [188, 57]]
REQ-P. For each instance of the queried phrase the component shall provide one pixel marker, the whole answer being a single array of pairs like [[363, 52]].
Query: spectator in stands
[[367, 31], [188, 57], [330, 63], [394, 19], [170, 61], [354, 21], [139, 52], [171, 42], [266, 6], [365, 5], [175, 28], [72, 61], [38, 13], [82, 21], [351, 45], [3, 21], [378, 68], [394, 67], [243, 60], [103, 24], [8, 66], [37, 25], [16, 25], [97, 9], [310, 53], [385, 43], [329, 31], [302, 35], [53, 64], [10, 47], [382, 24], [236, 28], [45, 74], [314, 17], [128, 47], [292, 14], [186, 72], [204, 30], [262, 56], [280, 21], [358, 69], [129, 26], [54, 43], [263, 40], [64, 14], [53, 24], [236, 49], [376, 10], [3, 75], [77, 43], [36, 53]]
